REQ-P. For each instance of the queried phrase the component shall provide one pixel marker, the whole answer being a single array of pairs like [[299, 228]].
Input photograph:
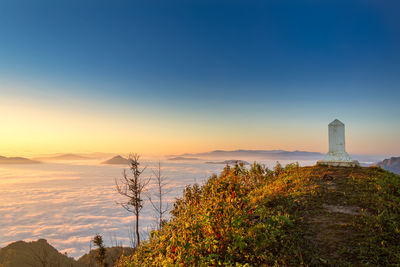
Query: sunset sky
[[168, 77]]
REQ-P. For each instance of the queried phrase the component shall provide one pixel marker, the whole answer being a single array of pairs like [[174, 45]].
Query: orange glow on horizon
[[30, 129]]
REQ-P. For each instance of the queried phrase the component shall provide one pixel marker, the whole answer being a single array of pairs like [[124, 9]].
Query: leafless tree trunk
[[158, 205], [132, 236], [132, 188]]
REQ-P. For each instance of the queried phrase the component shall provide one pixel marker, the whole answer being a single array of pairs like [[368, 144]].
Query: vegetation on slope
[[289, 216]]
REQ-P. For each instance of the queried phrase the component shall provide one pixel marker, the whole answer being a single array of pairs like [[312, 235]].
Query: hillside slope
[[37, 253], [41, 253], [290, 216]]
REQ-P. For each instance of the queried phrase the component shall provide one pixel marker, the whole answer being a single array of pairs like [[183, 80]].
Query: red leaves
[[218, 235]]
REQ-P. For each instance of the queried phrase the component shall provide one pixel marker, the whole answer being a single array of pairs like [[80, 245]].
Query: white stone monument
[[337, 155]]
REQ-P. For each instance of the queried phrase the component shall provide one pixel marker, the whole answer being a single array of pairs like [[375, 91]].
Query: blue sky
[[292, 65]]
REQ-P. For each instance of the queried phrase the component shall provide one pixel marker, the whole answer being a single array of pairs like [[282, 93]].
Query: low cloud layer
[[68, 204]]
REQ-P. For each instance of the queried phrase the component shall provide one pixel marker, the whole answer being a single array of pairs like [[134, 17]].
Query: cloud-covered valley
[[68, 204]]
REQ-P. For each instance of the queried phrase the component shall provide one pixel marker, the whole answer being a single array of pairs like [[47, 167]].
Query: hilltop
[[37, 253], [289, 216]]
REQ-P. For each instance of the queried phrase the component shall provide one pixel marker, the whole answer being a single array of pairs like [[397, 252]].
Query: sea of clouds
[[68, 203]]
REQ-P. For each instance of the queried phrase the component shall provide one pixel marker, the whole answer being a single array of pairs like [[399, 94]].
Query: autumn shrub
[[222, 223]]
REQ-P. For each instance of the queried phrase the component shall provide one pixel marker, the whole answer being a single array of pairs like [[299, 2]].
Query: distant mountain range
[[229, 162], [219, 155], [117, 160], [16, 160], [63, 157], [245, 154], [392, 164], [262, 154], [74, 156], [183, 158]]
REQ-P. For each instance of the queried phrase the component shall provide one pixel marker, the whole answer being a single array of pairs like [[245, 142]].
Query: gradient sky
[[165, 77]]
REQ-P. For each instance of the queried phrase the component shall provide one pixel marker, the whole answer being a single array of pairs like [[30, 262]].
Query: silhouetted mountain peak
[[117, 160]]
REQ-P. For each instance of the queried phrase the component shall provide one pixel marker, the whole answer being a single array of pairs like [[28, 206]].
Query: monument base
[[353, 163]]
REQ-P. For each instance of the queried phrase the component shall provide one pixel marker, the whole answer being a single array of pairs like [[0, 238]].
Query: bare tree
[[115, 242], [132, 187], [158, 204]]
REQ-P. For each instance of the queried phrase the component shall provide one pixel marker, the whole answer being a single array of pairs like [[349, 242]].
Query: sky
[[170, 77]]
